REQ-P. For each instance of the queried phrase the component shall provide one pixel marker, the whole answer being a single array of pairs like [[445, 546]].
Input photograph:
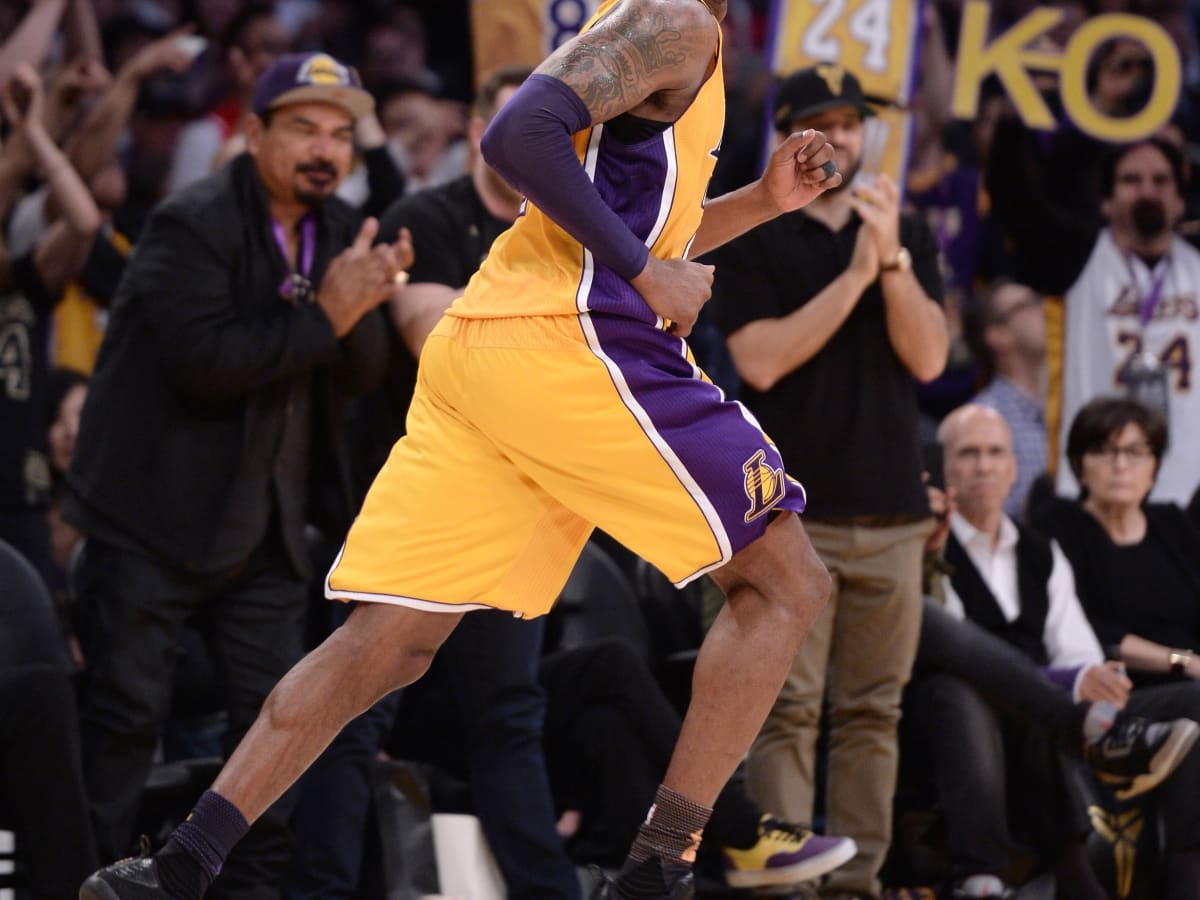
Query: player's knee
[[820, 584], [389, 647], [791, 598], [409, 664], [782, 569], [803, 592], [800, 580], [809, 580], [378, 674]]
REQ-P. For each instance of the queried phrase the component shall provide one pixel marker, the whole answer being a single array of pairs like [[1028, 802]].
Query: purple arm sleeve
[[1063, 676], [529, 144]]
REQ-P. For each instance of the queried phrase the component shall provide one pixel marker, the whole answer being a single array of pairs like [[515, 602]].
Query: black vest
[[1034, 563]]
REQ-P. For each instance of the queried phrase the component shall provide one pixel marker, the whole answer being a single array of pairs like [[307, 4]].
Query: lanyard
[[1148, 303], [1145, 377], [296, 286]]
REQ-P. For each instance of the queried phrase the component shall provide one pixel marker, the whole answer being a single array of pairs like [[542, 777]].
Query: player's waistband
[[563, 332]]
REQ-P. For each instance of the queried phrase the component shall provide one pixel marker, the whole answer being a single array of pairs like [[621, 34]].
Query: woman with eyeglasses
[[1137, 574], [1137, 564]]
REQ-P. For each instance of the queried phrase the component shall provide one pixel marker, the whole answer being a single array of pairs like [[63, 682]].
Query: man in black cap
[[833, 315], [244, 319]]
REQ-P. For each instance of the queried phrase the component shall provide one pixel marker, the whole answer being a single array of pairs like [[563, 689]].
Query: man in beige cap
[[245, 317]]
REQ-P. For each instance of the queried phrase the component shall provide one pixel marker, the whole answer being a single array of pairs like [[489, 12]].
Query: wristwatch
[[902, 262], [1178, 660]]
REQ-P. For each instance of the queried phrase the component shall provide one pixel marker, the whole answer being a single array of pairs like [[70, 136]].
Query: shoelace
[[791, 833]]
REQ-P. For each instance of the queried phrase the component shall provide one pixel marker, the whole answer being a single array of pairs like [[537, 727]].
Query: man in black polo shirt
[[833, 315]]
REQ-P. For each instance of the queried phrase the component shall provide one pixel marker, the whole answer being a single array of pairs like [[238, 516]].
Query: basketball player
[[555, 396]]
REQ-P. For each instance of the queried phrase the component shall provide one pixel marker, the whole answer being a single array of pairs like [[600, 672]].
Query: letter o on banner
[[1168, 77]]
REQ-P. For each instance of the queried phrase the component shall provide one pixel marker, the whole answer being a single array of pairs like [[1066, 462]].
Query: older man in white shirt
[[1014, 581], [996, 777]]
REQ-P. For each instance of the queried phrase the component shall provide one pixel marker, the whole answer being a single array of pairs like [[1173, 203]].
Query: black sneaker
[[1135, 755], [133, 878], [169, 874], [606, 888]]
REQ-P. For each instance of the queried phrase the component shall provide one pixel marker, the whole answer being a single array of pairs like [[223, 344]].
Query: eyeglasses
[[1134, 454]]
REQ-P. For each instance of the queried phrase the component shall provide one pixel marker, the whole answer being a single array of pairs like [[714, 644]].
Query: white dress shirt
[[1068, 636]]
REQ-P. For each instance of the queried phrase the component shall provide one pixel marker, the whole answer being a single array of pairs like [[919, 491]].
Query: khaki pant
[[859, 655]]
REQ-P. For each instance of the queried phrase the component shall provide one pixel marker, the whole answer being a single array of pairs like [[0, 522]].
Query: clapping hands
[[362, 276]]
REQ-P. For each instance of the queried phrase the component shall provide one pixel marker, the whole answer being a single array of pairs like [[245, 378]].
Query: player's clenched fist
[[675, 289]]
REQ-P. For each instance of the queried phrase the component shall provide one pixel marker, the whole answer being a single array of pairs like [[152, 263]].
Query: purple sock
[[210, 832]]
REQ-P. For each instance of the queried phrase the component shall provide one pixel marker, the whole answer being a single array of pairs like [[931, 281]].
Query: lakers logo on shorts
[[764, 485]]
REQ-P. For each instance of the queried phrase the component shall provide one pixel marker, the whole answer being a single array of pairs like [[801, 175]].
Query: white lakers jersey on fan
[[1104, 336]]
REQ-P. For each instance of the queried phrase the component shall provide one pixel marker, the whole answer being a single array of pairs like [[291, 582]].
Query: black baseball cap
[[311, 78], [813, 90]]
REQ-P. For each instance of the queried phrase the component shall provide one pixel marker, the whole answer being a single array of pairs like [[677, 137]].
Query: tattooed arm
[[646, 57], [650, 58]]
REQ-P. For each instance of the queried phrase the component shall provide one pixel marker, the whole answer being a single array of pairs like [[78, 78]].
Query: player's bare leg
[[379, 649], [774, 590]]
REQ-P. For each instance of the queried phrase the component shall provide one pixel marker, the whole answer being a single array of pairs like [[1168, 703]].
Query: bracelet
[[1178, 660]]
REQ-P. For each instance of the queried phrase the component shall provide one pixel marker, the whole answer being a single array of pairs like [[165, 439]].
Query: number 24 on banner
[[875, 39]]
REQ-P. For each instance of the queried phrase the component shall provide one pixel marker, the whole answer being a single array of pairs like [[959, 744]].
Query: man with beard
[[832, 315], [244, 319], [1132, 314]]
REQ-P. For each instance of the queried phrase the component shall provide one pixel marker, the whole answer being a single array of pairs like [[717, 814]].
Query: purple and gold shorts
[[525, 434]]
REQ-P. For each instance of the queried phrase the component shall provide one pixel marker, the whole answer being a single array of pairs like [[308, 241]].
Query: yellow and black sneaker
[[785, 854]]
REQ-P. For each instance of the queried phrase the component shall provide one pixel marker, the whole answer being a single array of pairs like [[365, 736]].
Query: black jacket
[[201, 363]]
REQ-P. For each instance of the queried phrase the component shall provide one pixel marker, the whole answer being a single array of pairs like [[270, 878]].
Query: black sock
[[210, 831], [181, 874]]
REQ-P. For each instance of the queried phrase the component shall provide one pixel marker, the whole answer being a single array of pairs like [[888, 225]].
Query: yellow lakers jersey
[[656, 186]]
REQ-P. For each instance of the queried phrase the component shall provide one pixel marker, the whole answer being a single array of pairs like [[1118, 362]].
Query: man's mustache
[[317, 168], [1149, 217]]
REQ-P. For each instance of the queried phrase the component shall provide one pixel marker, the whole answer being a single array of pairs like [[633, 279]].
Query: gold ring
[[400, 278]]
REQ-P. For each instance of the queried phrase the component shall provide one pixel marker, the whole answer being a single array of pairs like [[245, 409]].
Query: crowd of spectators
[[1050, 277]]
